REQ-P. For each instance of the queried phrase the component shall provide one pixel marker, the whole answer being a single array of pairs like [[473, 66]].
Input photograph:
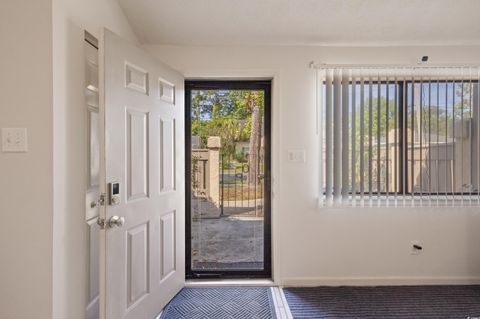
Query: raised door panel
[[93, 148], [167, 154], [137, 154], [93, 245], [167, 244], [137, 263], [136, 78], [166, 90]]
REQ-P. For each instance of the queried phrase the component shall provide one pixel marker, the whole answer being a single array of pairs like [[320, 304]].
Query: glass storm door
[[228, 179]]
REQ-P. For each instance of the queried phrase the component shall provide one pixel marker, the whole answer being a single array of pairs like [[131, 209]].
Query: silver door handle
[[116, 221]]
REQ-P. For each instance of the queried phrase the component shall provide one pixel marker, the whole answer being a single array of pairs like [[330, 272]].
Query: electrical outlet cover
[[14, 140], [414, 251]]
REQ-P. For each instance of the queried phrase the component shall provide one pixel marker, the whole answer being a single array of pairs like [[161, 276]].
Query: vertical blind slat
[[370, 133], [378, 141], [430, 138], [412, 136], [477, 104], [328, 135], [362, 136], [337, 131], [395, 137], [404, 163], [446, 138], [462, 184], [438, 137], [387, 132], [470, 98], [420, 132], [354, 134], [454, 177], [345, 134], [318, 81]]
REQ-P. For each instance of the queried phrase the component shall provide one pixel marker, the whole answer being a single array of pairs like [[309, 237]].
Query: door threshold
[[229, 283]]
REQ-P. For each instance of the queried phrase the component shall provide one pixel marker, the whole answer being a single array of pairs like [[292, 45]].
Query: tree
[[233, 115], [254, 105], [228, 114], [250, 105]]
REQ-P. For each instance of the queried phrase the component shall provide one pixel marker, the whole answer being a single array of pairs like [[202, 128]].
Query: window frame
[[402, 156], [405, 160]]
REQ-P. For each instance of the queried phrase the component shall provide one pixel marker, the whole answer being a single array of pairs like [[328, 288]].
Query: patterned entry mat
[[222, 303]]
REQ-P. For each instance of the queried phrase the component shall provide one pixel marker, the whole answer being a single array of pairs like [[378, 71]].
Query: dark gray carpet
[[221, 303], [385, 302]]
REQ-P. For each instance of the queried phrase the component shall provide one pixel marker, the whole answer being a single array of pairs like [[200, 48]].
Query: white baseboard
[[377, 281]]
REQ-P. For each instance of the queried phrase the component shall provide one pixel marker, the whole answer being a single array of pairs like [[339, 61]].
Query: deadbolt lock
[[114, 193]]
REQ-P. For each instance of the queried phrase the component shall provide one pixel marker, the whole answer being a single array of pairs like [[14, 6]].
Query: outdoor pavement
[[234, 241]]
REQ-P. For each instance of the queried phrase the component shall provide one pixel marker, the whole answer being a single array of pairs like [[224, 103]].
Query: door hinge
[[101, 222], [100, 201]]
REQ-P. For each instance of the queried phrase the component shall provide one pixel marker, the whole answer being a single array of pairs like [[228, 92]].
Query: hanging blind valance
[[397, 135]]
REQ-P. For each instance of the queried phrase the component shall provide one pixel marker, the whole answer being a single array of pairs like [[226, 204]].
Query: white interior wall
[[26, 179], [70, 19], [311, 245], [340, 245]]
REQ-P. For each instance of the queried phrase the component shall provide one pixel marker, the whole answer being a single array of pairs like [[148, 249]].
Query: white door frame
[[274, 76], [92, 191]]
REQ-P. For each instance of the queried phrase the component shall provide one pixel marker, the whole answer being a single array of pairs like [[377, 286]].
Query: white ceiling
[[305, 22]]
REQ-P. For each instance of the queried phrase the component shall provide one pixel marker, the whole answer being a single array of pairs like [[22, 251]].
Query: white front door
[[142, 110]]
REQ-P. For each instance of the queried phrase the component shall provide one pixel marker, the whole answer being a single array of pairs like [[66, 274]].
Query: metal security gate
[[242, 184]]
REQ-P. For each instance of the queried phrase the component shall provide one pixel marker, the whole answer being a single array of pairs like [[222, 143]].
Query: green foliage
[[464, 98], [437, 120], [240, 157], [223, 113]]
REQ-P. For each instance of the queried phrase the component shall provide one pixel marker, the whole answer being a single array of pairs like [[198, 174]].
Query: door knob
[[116, 221]]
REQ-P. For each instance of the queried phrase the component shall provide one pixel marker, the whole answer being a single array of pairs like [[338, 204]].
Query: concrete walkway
[[227, 242], [232, 241]]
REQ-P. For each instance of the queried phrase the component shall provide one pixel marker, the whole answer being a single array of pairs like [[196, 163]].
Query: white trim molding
[[378, 281]]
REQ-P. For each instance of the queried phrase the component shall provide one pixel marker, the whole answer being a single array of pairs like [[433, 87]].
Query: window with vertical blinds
[[400, 134]]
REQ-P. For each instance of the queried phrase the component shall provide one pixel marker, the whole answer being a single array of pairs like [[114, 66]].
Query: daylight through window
[[396, 133]]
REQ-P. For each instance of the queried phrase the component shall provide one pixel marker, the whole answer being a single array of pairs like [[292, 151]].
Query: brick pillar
[[214, 144]]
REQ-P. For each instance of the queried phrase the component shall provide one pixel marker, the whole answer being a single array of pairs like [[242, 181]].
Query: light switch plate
[[14, 140], [296, 156]]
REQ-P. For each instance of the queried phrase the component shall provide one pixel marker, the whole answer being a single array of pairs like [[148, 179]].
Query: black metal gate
[[241, 190]]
